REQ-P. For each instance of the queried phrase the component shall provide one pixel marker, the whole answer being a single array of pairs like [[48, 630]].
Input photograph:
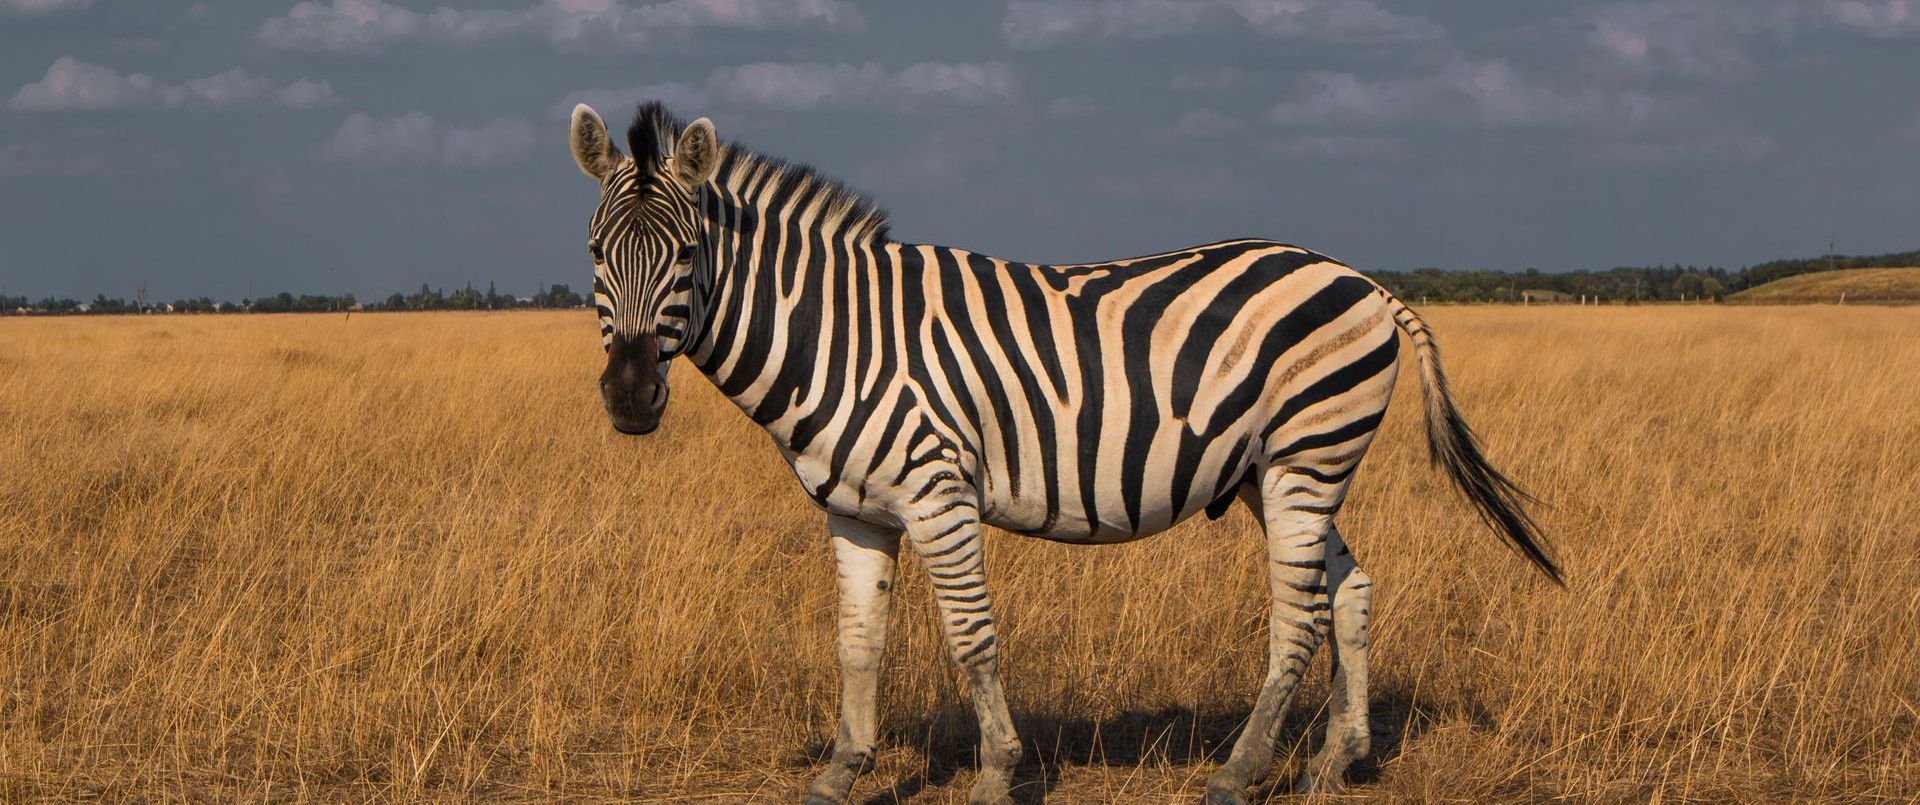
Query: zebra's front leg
[[1296, 530], [1349, 734], [864, 557], [950, 545]]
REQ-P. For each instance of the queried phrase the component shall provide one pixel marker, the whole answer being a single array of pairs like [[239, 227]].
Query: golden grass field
[[403, 557]]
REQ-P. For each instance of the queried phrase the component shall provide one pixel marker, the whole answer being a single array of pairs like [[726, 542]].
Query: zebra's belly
[[1074, 526], [1098, 504], [1081, 532]]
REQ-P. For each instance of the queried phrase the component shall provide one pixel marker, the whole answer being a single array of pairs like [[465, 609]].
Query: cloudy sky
[[229, 149]]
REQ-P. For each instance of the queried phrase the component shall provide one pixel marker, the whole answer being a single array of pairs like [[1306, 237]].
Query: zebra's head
[[645, 238]]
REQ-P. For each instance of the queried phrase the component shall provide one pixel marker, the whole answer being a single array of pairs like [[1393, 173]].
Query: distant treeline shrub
[[1626, 284], [1655, 283], [427, 298]]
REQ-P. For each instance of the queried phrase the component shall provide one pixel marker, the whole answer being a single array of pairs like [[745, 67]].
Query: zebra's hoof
[[1225, 796], [1324, 773], [1321, 784], [992, 788], [829, 789]]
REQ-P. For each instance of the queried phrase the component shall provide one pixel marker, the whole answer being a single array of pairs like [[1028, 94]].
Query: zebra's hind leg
[[1348, 734], [864, 557], [1298, 524]]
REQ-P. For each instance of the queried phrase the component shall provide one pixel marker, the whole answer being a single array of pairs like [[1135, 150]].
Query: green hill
[[1852, 284]]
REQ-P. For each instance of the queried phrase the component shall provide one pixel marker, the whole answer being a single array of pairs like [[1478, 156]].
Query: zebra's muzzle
[[634, 385]]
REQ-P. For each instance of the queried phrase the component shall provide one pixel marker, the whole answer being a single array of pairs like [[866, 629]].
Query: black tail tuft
[[1498, 498]]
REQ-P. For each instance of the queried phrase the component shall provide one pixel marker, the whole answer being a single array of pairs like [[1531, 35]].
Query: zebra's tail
[[1452, 445]]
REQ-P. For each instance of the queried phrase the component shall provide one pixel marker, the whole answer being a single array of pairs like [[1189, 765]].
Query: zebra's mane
[[843, 211]]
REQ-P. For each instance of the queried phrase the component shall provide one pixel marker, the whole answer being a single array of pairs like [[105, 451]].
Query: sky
[[235, 149]]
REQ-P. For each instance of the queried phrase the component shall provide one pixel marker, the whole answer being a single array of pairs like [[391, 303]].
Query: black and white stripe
[[927, 390]]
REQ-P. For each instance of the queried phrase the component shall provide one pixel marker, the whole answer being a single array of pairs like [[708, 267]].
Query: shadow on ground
[[1173, 736]]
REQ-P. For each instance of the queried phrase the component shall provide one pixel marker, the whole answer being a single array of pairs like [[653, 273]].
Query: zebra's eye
[[685, 256], [593, 248]]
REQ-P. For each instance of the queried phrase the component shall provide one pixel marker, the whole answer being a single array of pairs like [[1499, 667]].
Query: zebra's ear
[[696, 156], [592, 148]]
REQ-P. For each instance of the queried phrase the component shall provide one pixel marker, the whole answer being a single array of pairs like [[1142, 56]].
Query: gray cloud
[[1035, 24], [1073, 107], [1708, 146], [368, 25], [362, 139], [941, 160], [1338, 146], [1203, 80], [1717, 39], [49, 159], [495, 143], [1877, 17], [42, 6], [71, 84], [1464, 92], [416, 139], [797, 86], [1163, 186], [1206, 122], [1602, 125], [1693, 38]]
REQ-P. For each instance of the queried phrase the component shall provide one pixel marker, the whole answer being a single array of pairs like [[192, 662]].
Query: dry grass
[[1851, 284], [404, 557]]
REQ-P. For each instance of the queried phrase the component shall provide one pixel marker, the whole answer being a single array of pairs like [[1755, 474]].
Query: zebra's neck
[[794, 260]]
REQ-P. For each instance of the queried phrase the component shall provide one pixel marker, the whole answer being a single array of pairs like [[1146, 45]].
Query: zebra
[[926, 392]]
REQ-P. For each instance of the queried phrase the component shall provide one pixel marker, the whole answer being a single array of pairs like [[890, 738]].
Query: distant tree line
[[470, 299], [1658, 283], [427, 298], [1625, 284]]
